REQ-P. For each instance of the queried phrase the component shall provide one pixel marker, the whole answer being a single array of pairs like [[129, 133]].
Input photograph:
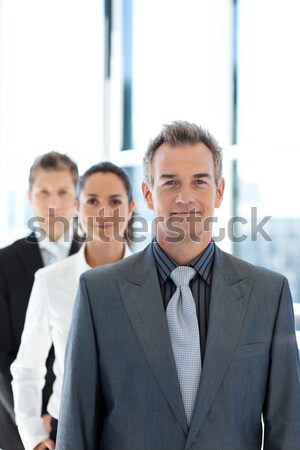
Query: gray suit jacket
[[121, 389]]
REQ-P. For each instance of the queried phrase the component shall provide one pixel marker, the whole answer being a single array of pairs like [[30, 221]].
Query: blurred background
[[96, 79]]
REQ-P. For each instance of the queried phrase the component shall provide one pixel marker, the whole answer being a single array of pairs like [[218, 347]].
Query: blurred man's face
[[52, 196]]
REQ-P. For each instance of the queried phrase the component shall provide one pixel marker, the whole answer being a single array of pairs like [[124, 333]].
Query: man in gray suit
[[130, 352]]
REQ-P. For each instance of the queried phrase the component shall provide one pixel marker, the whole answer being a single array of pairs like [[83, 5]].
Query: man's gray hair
[[177, 134]]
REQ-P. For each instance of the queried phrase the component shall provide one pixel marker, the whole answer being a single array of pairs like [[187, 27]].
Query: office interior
[[96, 79]]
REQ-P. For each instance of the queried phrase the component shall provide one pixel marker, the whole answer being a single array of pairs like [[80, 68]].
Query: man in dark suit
[[52, 187], [157, 362]]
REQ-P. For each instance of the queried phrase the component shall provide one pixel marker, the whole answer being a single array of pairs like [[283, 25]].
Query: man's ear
[[76, 203], [29, 196], [219, 193], [76, 206], [147, 193]]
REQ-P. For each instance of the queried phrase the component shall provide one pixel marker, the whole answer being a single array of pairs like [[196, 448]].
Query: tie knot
[[182, 275]]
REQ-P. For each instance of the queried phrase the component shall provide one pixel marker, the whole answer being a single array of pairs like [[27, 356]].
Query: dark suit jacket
[[121, 389], [18, 264]]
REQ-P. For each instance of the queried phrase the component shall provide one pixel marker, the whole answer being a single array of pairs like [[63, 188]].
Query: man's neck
[[183, 252], [55, 233]]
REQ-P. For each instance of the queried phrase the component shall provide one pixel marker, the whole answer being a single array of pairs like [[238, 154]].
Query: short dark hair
[[109, 167], [179, 133], [53, 161]]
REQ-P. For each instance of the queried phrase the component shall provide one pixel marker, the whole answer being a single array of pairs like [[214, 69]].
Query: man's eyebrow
[[168, 175], [196, 175], [202, 175]]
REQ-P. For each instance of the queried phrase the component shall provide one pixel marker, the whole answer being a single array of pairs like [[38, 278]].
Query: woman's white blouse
[[47, 321]]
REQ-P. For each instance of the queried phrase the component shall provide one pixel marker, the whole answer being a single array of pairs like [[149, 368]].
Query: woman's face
[[103, 207]]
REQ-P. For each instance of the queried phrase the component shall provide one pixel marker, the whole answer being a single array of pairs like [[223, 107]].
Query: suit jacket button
[[192, 444]]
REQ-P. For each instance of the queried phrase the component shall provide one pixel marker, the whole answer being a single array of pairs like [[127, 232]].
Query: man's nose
[[53, 201], [185, 195]]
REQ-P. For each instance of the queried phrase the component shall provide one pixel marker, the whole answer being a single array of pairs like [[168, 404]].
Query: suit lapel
[[75, 245], [228, 304], [30, 255], [142, 299], [229, 299]]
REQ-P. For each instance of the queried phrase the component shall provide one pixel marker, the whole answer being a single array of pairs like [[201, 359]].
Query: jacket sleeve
[[29, 368], [281, 411], [6, 347], [82, 405]]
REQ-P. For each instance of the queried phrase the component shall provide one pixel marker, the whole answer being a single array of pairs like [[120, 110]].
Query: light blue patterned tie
[[184, 333], [51, 258]]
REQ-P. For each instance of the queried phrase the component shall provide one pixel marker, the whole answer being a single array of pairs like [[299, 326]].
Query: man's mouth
[[186, 213]]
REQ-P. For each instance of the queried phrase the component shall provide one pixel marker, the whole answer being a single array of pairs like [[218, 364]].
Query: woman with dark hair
[[105, 207]]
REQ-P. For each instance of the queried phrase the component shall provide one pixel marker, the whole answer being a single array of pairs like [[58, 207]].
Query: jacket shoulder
[[121, 268], [244, 268], [21, 259], [11, 250], [60, 270]]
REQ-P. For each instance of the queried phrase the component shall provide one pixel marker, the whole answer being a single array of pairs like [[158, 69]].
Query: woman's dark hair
[[109, 167]]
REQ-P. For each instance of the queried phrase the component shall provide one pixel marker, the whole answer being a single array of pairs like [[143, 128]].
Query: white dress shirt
[[47, 321]]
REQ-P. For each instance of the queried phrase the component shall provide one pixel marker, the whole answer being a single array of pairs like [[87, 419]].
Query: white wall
[[51, 72]]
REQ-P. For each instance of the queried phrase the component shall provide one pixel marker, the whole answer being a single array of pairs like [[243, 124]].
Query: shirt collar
[[55, 247], [62, 245], [202, 263], [82, 265]]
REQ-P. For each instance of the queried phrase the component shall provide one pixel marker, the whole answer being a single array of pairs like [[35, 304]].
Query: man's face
[[52, 195], [184, 192]]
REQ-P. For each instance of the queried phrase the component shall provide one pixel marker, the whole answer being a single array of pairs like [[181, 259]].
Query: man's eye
[[200, 182], [170, 183]]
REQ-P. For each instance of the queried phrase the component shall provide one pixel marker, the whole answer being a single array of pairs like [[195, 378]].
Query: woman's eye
[[92, 201], [115, 202]]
